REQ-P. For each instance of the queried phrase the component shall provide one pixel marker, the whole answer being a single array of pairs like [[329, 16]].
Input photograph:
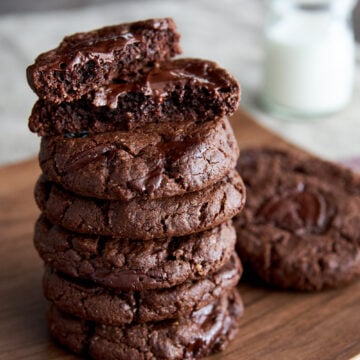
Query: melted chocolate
[[151, 182], [103, 48], [108, 96], [300, 211], [80, 47], [184, 70], [158, 81], [159, 78], [88, 156]]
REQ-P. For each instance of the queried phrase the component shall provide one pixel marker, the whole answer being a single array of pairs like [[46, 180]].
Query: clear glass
[[310, 57]]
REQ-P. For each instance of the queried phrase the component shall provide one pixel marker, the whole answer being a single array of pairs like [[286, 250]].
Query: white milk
[[310, 61]]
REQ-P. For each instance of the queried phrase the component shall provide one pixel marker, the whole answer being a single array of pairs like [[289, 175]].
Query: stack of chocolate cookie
[[137, 194]]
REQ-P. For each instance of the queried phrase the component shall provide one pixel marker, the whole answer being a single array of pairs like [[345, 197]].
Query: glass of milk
[[310, 57]]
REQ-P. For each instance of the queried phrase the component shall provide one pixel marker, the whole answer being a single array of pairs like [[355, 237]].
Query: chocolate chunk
[[301, 210]]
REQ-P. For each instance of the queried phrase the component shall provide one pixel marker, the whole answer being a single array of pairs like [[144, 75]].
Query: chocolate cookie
[[301, 226], [180, 90], [159, 160], [134, 265], [91, 302], [203, 332], [86, 61], [141, 218]]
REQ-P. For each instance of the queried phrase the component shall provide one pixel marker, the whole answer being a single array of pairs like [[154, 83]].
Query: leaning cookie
[[85, 61], [202, 333], [142, 218], [92, 302], [301, 227], [131, 265], [159, 160], [180, 90]]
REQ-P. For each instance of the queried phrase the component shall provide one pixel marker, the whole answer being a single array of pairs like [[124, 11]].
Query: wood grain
[[276, 324]]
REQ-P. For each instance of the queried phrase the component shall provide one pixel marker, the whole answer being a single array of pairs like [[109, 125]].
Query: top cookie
[[85, 61], [301, 226], [179, 90]]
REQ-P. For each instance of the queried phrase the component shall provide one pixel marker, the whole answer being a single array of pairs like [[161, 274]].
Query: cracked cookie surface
[[300, 228], [159, 160], [92, 302], [202, 333], [142, 218], [134, 265]]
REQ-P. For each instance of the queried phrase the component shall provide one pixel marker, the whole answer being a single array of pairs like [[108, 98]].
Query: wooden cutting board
[[276, 324]]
